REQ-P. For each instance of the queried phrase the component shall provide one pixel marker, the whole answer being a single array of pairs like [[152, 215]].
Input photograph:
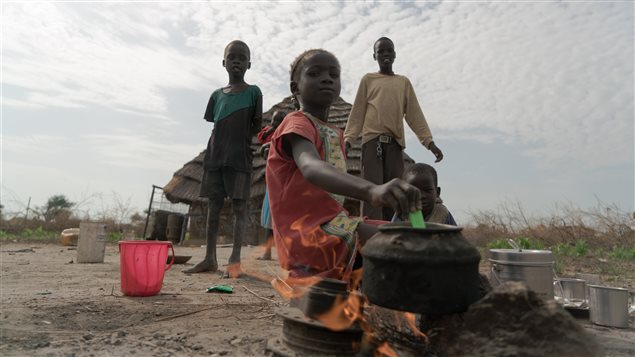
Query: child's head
[[384, 51], [236, 59], [277, 117], [315, 78], [424, 177]]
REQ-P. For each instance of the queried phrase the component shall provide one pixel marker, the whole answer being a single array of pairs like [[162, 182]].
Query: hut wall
[[198, 214]]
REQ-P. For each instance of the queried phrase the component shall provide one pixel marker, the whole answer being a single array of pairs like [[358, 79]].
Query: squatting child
[[382, 102], [307, 179], [424, 177], [236, 111]]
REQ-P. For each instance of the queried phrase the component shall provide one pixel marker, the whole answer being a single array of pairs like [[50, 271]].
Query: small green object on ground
[[416, 220], [221, 288]]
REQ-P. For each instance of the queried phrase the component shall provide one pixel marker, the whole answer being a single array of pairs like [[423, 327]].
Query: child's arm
[[264, 136], [417, 122], [396, 193], [209, 110], [256, 121], [356, 118]]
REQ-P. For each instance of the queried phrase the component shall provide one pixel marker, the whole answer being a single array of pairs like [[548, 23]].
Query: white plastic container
[[91, 245]]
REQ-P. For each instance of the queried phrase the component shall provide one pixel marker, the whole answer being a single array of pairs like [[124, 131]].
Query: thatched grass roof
[[185, 184]]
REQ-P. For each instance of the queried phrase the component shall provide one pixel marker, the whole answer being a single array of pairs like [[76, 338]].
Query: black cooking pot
[[432, 270]]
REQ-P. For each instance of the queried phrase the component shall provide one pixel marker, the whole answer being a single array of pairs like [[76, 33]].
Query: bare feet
[[205, 265]]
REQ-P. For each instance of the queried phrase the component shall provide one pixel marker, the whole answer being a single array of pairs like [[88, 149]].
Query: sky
[[531, 101]]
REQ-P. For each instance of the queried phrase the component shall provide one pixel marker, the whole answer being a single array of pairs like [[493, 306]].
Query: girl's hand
[[397, 194]]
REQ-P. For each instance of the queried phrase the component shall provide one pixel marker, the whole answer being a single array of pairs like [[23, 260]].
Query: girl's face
[[319, 80]]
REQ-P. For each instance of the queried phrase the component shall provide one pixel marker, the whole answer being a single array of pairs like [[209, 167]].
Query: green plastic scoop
[[416, 219]]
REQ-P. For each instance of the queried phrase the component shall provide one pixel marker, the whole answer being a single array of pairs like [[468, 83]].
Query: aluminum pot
[[608, 306], [571, 290], [533, 267], [432, 270]]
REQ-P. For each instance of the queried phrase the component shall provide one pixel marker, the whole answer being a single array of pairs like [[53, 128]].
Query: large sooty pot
[[431, 270]]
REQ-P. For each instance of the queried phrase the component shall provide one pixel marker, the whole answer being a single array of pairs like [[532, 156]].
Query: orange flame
[[233, 270], [385, 350], [344, 312], [410, 319]]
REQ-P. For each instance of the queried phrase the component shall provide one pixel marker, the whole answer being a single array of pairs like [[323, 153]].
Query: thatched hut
[[185, 184]]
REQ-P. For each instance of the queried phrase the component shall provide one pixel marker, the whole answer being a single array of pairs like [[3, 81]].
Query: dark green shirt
[[236, 117]]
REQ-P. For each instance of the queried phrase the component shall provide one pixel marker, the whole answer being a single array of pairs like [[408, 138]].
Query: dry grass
[[604, 226]]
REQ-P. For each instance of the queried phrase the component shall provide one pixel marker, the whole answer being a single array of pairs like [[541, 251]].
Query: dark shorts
[[226, 182], [380, 169]]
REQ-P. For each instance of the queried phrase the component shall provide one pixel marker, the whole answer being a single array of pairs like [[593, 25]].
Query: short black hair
[[299, 61], [237, 42], [422, 169], [383, 39]]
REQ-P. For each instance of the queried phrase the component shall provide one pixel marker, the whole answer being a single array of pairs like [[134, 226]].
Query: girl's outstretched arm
[[396, 193]]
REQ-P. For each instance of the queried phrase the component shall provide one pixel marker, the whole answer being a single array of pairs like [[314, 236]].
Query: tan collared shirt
[[381, 104]]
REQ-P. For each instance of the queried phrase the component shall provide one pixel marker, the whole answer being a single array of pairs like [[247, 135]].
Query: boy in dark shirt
[[236, 111]]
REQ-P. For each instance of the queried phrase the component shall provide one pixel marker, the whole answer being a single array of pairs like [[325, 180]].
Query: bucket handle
[[171, 261], [557, 283], [495, 274]]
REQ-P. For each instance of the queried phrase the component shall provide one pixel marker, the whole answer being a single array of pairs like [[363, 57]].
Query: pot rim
[[607, 287], [570, 280], [528, 257]]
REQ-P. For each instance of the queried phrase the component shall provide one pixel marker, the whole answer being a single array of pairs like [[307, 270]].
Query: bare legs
[[209, 263], [240, 223], [268, 243]]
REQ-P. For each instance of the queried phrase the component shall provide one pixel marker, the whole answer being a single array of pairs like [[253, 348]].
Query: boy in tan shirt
[[382, 102]]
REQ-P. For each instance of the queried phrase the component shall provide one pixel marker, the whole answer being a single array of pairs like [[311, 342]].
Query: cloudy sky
[[530, 101]]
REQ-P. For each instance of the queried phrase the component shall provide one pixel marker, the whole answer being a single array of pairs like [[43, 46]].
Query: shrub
[[623, 253]]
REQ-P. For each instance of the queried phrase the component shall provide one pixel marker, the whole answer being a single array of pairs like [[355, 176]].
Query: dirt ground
[[52, 306]]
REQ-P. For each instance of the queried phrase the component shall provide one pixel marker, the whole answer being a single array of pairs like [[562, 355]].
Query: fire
[[233, 269], [410, 319], [344, 312], [385, 350]]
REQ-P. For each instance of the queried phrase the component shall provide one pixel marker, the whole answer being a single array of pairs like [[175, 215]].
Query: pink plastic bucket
[[142, 264]]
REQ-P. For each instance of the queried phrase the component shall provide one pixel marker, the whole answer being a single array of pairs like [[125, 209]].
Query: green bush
[[623, 253], [563, 249], [115, 236], [523, 243], [528, 243], [38, 233], [579, 249], [498, 244]]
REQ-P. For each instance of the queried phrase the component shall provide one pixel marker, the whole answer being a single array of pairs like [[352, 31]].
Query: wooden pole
[[28, 205]]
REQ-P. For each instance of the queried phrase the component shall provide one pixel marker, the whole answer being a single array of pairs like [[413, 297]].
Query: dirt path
[[52, 306]]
